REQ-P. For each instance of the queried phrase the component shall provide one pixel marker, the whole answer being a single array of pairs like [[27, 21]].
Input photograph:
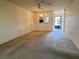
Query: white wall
[[43, 26], [72, 21], [14, 21]]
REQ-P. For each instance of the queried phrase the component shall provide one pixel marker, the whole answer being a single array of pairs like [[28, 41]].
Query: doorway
[[58, 22]]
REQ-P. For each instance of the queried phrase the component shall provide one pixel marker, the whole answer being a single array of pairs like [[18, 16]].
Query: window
[[46, 20]]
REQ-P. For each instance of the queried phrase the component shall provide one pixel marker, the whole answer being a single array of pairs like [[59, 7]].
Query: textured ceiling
[[32, 5]]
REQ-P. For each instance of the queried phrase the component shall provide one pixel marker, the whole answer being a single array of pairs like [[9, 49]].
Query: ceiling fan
[[40, 2]]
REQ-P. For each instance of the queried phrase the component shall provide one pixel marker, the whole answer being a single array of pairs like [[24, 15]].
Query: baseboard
[[4, 42]]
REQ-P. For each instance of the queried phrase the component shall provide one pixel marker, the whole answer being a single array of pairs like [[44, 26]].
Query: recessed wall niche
[[43, 18]]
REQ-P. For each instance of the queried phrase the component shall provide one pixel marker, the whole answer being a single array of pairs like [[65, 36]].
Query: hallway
[[40, 45]]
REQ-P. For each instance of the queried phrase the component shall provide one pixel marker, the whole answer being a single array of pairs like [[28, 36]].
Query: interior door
[[58, 22]]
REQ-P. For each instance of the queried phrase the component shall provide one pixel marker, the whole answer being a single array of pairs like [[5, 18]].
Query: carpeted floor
[[40, 45]]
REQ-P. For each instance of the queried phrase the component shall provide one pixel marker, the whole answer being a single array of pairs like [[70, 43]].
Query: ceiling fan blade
[[42, 1], [39, 2]]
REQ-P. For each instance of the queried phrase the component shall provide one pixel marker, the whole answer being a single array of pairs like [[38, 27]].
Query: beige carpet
[[40, 45]]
